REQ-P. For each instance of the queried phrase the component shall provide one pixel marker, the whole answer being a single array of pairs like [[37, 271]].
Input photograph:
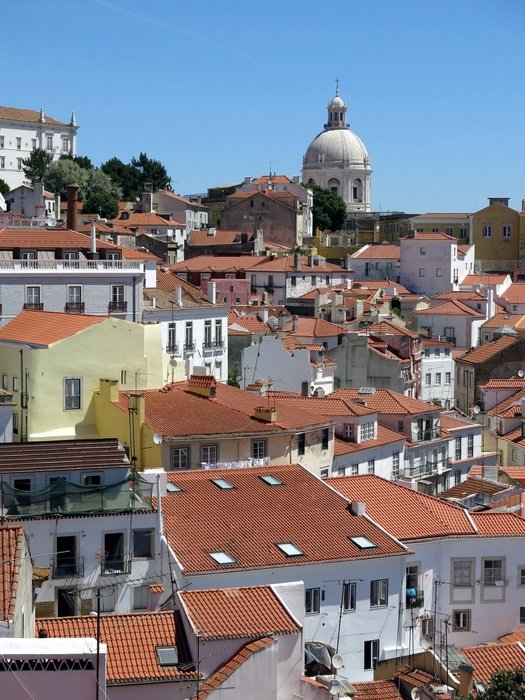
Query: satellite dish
[[415, 694], [157, 439], [521, 373], [172, 362], [337, 661], [335, 687], [426, 641], [476, 410]]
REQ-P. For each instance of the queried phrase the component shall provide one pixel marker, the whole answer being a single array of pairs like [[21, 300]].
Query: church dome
[[337, 147]]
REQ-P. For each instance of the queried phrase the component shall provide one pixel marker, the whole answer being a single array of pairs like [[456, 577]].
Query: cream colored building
[[52, 364], [495, 230]]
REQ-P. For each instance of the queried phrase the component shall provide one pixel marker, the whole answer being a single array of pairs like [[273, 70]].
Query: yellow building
[[495, 231], [52, 363]]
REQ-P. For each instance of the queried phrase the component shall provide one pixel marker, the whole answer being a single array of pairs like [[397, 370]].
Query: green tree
[[83, 161], [123, 175], [503, 685], [329, 211], [150, 170], [64, 172], [37, 164], [4, 187], [102, 203]]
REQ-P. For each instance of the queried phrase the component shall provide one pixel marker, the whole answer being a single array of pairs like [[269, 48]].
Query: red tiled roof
[[306, 326], [202, 237], [375, 285], [515, 473], [503, 319], [232, 613], [441, 215], [248, 521], [11, 546], [274, 179], [487, 350], [377, 690], [451, 307], [326, 406], [42, 328], [429, 236], [387, 401], [463, 294], [494, 524], [512, 383], [489, 658], [26, 115], [377, 252], [388, 328], [486, 279], [473, 485], [515, 294], [250, 323], [516, 636], [132, 640], [47, 239], [137, 254], [182, 199], [263, 263], [384, 437], [132, 219], [411, 515], [215, 680]]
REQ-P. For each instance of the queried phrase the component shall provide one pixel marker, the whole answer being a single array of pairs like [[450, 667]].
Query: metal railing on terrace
[[425, 469], [69, 265]]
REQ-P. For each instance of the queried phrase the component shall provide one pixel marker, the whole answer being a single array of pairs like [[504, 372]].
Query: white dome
[[337, 146], [337, 103]]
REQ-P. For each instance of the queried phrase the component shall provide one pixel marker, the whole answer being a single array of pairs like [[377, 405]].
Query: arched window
[[334, 185], [357, 190]]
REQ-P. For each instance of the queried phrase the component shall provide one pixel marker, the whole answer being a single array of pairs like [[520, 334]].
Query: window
[[140, 597], [117, 294], [223, 484], [348, 430], [458, 448], [492, 572], [21, 486], [142, 544], [450, 333], [172, 337], [324, 473], [19, 163], [521, 576], [462, 572], [222, 558], [325, 437], [371, 466], [421, 271], [448, 377], [427, 627], [349, 596], [33, 296], [400, 426], [70, 255], [258, 449], [271, 480], [5, 381], [447, 352], [293, 281], [188, 335], [522, 616], [180, 457], [312, 603], [436, 352], [438, 378], [428, 379], [18, 143], [15, 423], [218, 333], [301, 444], [2, 162], [362, 542], [91, 479], [74, 294], [422, 251], [49, 143], [168, 656], [113, 561], [378, 593], [439, 272], [487, 231], [457, 477], [72, 394], [65, 144], [506, 230], [209, 454], [290, 549], [395, 466], [207, 334], [15, 383], [34, 143], [2, 141], [371, 654], [461, 619], [367, 431]]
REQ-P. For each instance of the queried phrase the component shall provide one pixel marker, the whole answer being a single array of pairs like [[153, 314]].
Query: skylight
[[289, 549], [270, 480], [363, 542], [222, 484], [168, 656], [172, 488], [222, 558]]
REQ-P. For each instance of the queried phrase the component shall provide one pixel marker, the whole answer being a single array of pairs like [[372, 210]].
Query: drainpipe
[[134, 298]]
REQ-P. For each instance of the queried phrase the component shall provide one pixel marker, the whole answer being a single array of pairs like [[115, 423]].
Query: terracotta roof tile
[[516, 636], [495, 524], [26, 115], [411, 515], [515, 294], [429, 236], [231, 613], [388, 328], [180, 198], [203, 237], [377, 252], [11, 548], [502, 319], [46, 239], [512, 383], [133, 219], [387, 402], [515, 473], [451, 307], [377, 690], [385, 436], [248, 521], [473, 485], [487, 350], [489, 658], [326, 406], [248, 322], [54, 455], [315, 328], [42, 328], [486, 279], [132, 642]]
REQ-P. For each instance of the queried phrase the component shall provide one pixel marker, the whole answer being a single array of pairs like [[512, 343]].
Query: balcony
[[60, 266], [414, 598], [68, 567], [118, 307], [75, 307], [208, 344], [172, 349], [189, 348], [218, 344], [238, 464], [427, 435], [114, 564], [426, 469], [33, 306]]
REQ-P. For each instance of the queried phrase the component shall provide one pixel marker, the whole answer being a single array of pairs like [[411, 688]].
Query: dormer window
[[289, 549]]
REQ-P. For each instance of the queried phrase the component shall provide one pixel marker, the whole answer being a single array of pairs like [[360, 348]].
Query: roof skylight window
[[222, 558], [222, 484], [172, 488], [271, 480], [363, 542], [168, 656], [289, 549]]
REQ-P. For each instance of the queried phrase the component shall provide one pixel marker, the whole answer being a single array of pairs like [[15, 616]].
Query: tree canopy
[[4, 187], [329, 210], [504, 685], [36, 165], [131, 177]]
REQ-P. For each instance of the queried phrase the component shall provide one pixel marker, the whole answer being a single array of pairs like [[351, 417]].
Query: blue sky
[[221, 90]]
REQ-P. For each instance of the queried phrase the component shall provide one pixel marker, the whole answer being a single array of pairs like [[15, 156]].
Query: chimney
[[178, 295], [294, 324], [212, 291], [108, 390], [280, 319], [203, 385], [348, 262], [146, 203], [40, 207], [348, 283], [266, 414], [411, 233], [72, 202], [297, 261], [263, 315], [93, 246], [211, 231], [358, 508], [57, 207]]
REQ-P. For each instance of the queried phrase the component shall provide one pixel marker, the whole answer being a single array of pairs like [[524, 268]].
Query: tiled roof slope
[[61, 454], [488, 350], [410, 515], [174, 411], [451, 307], [249, 520], [132, 640], [42, 328], [233, 613], [326, 406], [516, 636], [515, 473], [489, 658], [387, 328], [385, 436], [215, 680], [47, 239], [11, 544], [25, 115], [202, 237], [376, 690], [378, 252], [492, 524], [473, 485], [387, 401]]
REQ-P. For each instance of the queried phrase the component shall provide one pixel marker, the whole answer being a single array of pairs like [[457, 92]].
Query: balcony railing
[[414, 598], [429, 434], [207, 344], [218, 343], [60, 265], [172, 349], [33, 306], [189, 347], [118, 307], [115, 564], [425, 469], [239, 464], [75, 307], [68, 567]]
